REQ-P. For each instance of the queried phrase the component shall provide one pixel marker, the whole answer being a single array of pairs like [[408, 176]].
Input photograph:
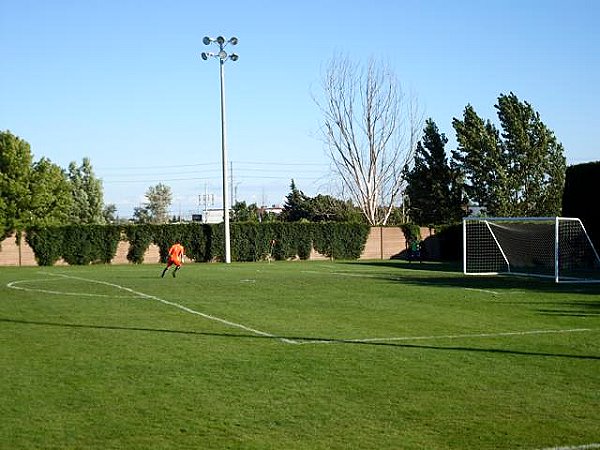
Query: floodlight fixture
[[223, 56]]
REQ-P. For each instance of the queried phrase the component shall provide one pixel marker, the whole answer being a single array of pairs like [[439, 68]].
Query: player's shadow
[[306, 340]]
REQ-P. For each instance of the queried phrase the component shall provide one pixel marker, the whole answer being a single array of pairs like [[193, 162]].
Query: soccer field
[[296, 355]]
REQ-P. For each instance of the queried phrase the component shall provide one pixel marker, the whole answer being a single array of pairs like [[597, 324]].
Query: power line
[[157, 167], [154, 180]]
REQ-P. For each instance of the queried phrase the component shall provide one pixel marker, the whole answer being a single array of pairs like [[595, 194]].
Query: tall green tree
[[141, 215], [536, 158], [434, 187], [296, 206], [31, 193], [325, 208], [242, 212], [322, 208], [88, 195], [481, 159], [15, 170], [519, 172], [51, 199], [109, 212]]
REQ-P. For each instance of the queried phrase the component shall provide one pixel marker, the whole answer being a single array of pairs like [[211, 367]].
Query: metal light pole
[[223, 56]]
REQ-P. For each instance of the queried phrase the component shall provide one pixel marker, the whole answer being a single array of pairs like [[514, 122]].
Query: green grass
[[317, 355]]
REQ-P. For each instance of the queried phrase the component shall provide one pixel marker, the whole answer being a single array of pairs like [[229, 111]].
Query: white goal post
[[552, 247]]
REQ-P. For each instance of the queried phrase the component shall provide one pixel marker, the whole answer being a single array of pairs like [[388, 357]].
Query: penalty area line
[[445, 337], [14, 285], [181, 307], [575, 447]]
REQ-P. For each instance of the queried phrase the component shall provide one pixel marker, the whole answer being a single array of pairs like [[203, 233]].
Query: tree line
[[41, 193], [372, 130], [517, 171], [392, 167]]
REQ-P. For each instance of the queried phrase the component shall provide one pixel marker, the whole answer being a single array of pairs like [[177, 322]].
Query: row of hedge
[[87, 244]]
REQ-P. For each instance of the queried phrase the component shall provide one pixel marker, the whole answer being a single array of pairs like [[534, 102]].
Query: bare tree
[[371, 129]]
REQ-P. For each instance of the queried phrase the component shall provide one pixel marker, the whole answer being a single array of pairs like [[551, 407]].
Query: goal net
[[556, 247]]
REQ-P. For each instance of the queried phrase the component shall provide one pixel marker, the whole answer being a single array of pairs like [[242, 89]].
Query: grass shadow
[[301, 339], [451, 275]]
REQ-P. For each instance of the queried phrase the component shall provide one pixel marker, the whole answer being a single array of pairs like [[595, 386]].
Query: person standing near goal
[[175, 258]]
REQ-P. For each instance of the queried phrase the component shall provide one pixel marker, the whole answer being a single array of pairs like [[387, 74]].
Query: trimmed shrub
[[139, 237], [46, 244], [250, 241]]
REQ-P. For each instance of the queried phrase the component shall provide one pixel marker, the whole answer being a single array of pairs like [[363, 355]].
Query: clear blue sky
[[122, 82]]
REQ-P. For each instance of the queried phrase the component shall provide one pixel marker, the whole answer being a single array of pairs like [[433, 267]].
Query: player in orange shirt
[[175, 257]]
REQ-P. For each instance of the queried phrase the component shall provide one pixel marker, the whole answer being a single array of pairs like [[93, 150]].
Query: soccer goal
[[553, 247]]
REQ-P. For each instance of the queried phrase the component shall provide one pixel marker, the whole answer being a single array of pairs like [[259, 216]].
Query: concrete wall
[[382, 243]]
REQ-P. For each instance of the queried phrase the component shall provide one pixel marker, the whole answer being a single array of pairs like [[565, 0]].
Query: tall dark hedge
[[579, 197], [139, 237], [340, 240], [250, 241], [46, 244], [76, 244]]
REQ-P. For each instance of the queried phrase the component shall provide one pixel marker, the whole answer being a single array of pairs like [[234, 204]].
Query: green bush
[[139, 237], [76, 244], [46, 244], [250, 241], [340, 240]]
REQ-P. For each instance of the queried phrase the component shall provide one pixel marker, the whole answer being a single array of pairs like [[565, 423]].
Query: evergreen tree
[[88, 196], [241, 212], [481, 159], [109, 212], [141, 215], [325, 208], [536, 160], [296, 206], [434, 189], [521, 172]]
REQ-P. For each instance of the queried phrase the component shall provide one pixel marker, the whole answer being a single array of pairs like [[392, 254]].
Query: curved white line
[[179, 306], [13, 285]]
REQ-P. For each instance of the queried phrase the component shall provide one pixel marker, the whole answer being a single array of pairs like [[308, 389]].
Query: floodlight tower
[[223, 56]]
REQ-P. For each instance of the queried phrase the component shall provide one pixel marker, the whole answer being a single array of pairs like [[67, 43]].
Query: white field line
[[356, 275], [576, 447], [447, 336], [388, 277], [486, 291], [13, 285], [320, 341], [178, 306]]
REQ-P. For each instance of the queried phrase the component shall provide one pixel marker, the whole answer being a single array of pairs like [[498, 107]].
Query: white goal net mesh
[[550, 247]]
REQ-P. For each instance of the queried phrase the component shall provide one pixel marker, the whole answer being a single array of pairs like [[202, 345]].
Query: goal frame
[[557, 220]]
